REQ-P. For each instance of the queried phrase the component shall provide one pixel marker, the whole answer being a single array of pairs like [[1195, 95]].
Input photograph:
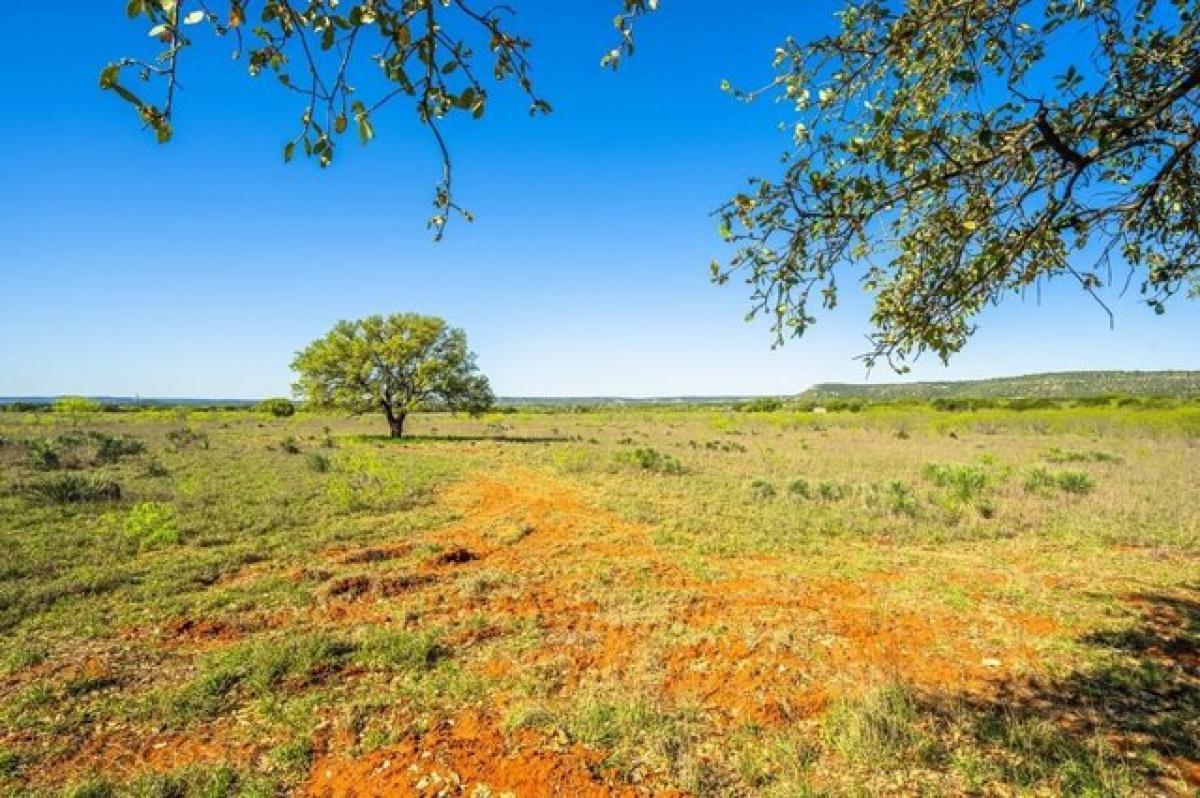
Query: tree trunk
[[395, 421]]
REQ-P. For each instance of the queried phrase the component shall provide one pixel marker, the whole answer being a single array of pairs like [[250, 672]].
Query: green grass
[[198, 601]]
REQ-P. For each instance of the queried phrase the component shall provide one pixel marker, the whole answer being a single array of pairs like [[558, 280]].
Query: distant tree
[[278, 406], [945, 154], [397, 364], [75, 407]]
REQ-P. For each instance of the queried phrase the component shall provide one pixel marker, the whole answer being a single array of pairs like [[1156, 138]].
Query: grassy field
[[624, 602]]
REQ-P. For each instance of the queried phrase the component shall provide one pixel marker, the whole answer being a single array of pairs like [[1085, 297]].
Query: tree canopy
[[944, 154], [397, 364]]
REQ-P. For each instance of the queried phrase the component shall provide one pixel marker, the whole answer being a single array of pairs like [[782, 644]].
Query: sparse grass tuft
[[74, 489], [878, 727], [390, 649]]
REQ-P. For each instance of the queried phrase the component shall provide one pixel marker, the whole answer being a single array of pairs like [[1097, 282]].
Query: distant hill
[[1060, 385]]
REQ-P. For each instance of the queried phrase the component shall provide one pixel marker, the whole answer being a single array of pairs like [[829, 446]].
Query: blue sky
[[200, 267]]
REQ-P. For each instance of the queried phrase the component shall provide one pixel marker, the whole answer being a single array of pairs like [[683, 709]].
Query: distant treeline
[[50, 406], [969, 404], [1097, 386]]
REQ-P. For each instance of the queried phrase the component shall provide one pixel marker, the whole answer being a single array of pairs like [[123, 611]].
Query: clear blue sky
[[199, 268]]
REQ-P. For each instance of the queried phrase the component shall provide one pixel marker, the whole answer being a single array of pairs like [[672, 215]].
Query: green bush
[[74, 488], [110, 448], [43, 454], [320, 463], [80, 450], [1042, 480], [800, 488], [964, 483], [652, 460], [277, 406], [762, 490]]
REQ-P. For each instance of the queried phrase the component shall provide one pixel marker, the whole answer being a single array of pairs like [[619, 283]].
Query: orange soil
[[467, 756], [553, 542]]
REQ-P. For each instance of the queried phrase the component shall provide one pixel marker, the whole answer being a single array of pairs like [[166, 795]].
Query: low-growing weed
[[148, 525], [1043, 480]]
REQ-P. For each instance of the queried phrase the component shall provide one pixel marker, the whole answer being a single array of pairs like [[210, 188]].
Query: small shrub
[[800, 488], [830, 491], [1074, 482], [964, 482], [901, 499], [10, 763], [650, 459], [43, 454], [290, 445], [277, 406], [80, 450], [317, 462], [156, 469], [762, 490], [74, 488], [187, 438], [110, 448], [1042, 480]]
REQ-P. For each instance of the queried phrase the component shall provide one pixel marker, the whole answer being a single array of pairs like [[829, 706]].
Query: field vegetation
[[880, 600]]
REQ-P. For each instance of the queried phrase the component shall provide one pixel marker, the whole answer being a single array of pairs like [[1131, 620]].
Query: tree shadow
[[419, 439], [1132, 711]]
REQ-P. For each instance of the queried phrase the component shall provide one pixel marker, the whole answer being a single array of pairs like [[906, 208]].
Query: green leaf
[[365, 131], [109, 76]]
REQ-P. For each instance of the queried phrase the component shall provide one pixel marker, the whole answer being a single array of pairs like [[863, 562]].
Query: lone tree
[[945, 154], [397, 364]]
